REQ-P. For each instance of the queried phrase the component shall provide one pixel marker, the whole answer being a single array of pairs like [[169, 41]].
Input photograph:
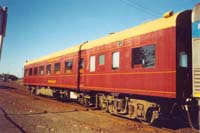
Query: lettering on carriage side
[[52, 81]]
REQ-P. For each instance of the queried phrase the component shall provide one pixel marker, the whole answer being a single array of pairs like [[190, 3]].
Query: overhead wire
[[140, 7]]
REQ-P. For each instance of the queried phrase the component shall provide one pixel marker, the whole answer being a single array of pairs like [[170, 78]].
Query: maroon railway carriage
[[59, 71], [153, 64], [137, 73]]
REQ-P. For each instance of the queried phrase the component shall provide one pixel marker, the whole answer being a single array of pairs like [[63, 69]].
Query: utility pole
[[3, 21]]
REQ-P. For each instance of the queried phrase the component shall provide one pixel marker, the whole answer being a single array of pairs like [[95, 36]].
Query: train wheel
[[111, 108], [151, 115], [37, 91]]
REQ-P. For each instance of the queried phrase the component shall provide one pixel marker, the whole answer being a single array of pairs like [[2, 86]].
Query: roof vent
[[111, 33], [168, 14]]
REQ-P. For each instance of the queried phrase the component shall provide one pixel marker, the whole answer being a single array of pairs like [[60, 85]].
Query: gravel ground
[[21, 112]]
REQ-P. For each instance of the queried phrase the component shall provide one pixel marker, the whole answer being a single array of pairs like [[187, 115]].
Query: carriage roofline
[[151, 26]]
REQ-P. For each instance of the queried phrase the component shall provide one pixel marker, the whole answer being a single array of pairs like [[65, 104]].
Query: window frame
[[116, 60], [35, 71], [48, 69], [103, 59], [141, 63], [183, 59], [57, 70], [41, 70], [68, 69], [92, 65]]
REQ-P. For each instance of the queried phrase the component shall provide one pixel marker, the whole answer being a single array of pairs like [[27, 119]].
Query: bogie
[[130, 108]]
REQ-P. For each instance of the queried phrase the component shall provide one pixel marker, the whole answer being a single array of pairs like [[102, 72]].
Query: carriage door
[[81, 72], [183, 55]]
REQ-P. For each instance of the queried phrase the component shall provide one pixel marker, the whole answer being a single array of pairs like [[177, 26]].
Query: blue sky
[[39, 27]]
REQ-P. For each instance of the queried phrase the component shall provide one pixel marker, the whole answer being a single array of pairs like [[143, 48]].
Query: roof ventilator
[[168, 14]]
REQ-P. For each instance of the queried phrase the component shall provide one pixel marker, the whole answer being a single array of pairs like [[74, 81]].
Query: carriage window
[[115, 60], [30, 71], [41, 70], [35, 70], [68, 66], [48, 69], [92, 63], [143, 56], [57, 68], [101, 59], [183, 59]]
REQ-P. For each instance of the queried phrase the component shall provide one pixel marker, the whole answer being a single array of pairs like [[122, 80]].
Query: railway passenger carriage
[[136, 56], [138, 73]]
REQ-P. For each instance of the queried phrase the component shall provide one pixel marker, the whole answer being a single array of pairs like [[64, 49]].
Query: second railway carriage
[[140, 72], [151, 59]]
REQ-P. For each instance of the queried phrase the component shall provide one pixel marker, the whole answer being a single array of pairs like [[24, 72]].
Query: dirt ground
[[21, 112]]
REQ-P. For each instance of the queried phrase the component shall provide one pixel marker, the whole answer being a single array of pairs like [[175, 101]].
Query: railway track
[[73, 107]]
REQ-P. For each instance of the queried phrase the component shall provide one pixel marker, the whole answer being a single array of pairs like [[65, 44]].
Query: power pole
[[3, 21]]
